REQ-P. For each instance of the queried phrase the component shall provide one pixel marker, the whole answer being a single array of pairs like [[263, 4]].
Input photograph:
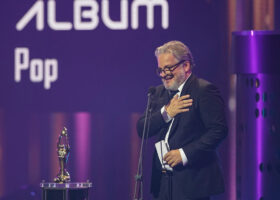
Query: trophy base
[[62, 179]]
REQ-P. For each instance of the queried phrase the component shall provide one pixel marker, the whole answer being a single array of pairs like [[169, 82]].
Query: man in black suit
[[192, 124]]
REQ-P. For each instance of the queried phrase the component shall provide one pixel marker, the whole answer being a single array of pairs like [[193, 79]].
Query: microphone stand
[[138, 189]]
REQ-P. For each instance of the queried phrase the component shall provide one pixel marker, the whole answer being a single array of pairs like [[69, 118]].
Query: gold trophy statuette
[[63, 150]]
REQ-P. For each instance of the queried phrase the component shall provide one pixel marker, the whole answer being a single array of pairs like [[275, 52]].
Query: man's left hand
[[173, 157]]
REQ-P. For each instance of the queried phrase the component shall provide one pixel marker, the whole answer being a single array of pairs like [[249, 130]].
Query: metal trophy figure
[[63, 150]]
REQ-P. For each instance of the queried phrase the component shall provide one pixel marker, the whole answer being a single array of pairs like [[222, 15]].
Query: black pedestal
[[65, 191]]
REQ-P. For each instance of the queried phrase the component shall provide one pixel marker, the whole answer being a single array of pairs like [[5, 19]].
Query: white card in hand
[[162, 149]]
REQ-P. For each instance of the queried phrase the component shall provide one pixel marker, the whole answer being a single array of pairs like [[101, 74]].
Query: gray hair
[[178, 49]]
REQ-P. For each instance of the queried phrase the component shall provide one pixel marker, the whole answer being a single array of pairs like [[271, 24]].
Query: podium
[[65, 191]]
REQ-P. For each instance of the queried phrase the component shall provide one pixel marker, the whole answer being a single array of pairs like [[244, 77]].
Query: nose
[[162, 73]]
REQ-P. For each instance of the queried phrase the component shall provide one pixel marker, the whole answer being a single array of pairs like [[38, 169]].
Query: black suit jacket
[[198, 132]]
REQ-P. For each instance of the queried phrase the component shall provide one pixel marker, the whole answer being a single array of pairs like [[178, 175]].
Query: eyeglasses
[[168, 68]]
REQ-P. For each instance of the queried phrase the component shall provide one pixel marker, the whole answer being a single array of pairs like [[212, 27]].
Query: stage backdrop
[[87, 65]]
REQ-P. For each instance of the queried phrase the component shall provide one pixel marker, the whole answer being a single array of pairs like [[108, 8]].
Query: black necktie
[[172, 93]]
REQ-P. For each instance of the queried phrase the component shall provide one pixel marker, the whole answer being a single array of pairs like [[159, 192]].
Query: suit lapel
[[163, 98], [184, 92]]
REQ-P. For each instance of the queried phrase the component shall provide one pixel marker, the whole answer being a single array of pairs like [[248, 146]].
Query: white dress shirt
[[167, 119]]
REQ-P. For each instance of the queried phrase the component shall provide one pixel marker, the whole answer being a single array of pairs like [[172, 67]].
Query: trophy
[[63, 150]]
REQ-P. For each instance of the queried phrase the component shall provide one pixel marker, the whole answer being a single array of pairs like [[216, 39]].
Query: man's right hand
[[178, 105]]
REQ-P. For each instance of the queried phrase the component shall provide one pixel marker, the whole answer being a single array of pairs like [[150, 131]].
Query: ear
[[187, 67]]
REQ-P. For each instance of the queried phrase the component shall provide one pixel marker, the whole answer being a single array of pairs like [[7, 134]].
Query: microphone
[[151, 91]]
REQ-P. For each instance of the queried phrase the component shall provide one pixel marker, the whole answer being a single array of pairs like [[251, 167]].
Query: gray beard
[[173, 87], [178, 81]]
